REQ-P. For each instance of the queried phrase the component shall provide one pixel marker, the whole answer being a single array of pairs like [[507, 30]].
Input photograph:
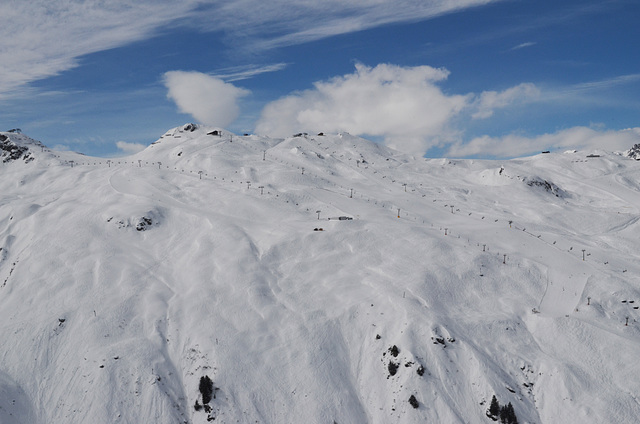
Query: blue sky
[[457, 78]]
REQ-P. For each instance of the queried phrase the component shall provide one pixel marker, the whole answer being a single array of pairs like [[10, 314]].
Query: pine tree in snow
[[494, 408]]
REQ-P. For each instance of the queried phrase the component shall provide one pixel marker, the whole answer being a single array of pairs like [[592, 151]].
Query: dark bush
[[206, 389]]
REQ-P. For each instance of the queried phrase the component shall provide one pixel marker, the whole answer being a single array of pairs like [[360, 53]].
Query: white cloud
[[579, 138], [405, 106], [208, 99], [488, 101], [130, 148], [42, 38]]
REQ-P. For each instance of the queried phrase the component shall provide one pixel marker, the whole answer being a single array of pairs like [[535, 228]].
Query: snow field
[[235, 284]]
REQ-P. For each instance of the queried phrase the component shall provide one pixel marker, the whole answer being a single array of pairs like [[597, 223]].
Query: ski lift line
[[418, 190], [406, 213]]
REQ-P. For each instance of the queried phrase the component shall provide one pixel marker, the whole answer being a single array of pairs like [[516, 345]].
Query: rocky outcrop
[[10, 151], [546, 185], [634, 152]]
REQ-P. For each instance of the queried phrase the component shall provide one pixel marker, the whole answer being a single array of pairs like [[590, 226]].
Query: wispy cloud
[[42, 38], [604, 84], [239, 73], [593, 93], [523, 45], [560, 16], [277, 23]]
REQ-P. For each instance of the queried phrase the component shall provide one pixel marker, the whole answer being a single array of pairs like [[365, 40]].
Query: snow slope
[[124, 281]]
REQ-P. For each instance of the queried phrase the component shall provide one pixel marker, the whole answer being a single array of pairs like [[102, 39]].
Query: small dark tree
[[511, 415], [394, 351], [508, 415], [494, 408], [414, 402], [206, 389], [503, 415], [393, 368]]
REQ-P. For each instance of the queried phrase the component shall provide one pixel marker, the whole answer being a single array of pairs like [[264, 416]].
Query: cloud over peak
[[387, 100], [403, 105], [208, 99]]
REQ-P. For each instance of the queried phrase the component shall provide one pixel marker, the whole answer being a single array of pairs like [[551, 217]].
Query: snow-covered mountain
[[317, 279]]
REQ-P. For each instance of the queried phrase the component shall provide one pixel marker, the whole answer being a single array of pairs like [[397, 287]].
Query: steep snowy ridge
[[125, 281]]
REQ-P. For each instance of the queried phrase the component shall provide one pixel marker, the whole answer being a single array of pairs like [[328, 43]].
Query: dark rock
[[144, 223], [546, 185], [190, 127]]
